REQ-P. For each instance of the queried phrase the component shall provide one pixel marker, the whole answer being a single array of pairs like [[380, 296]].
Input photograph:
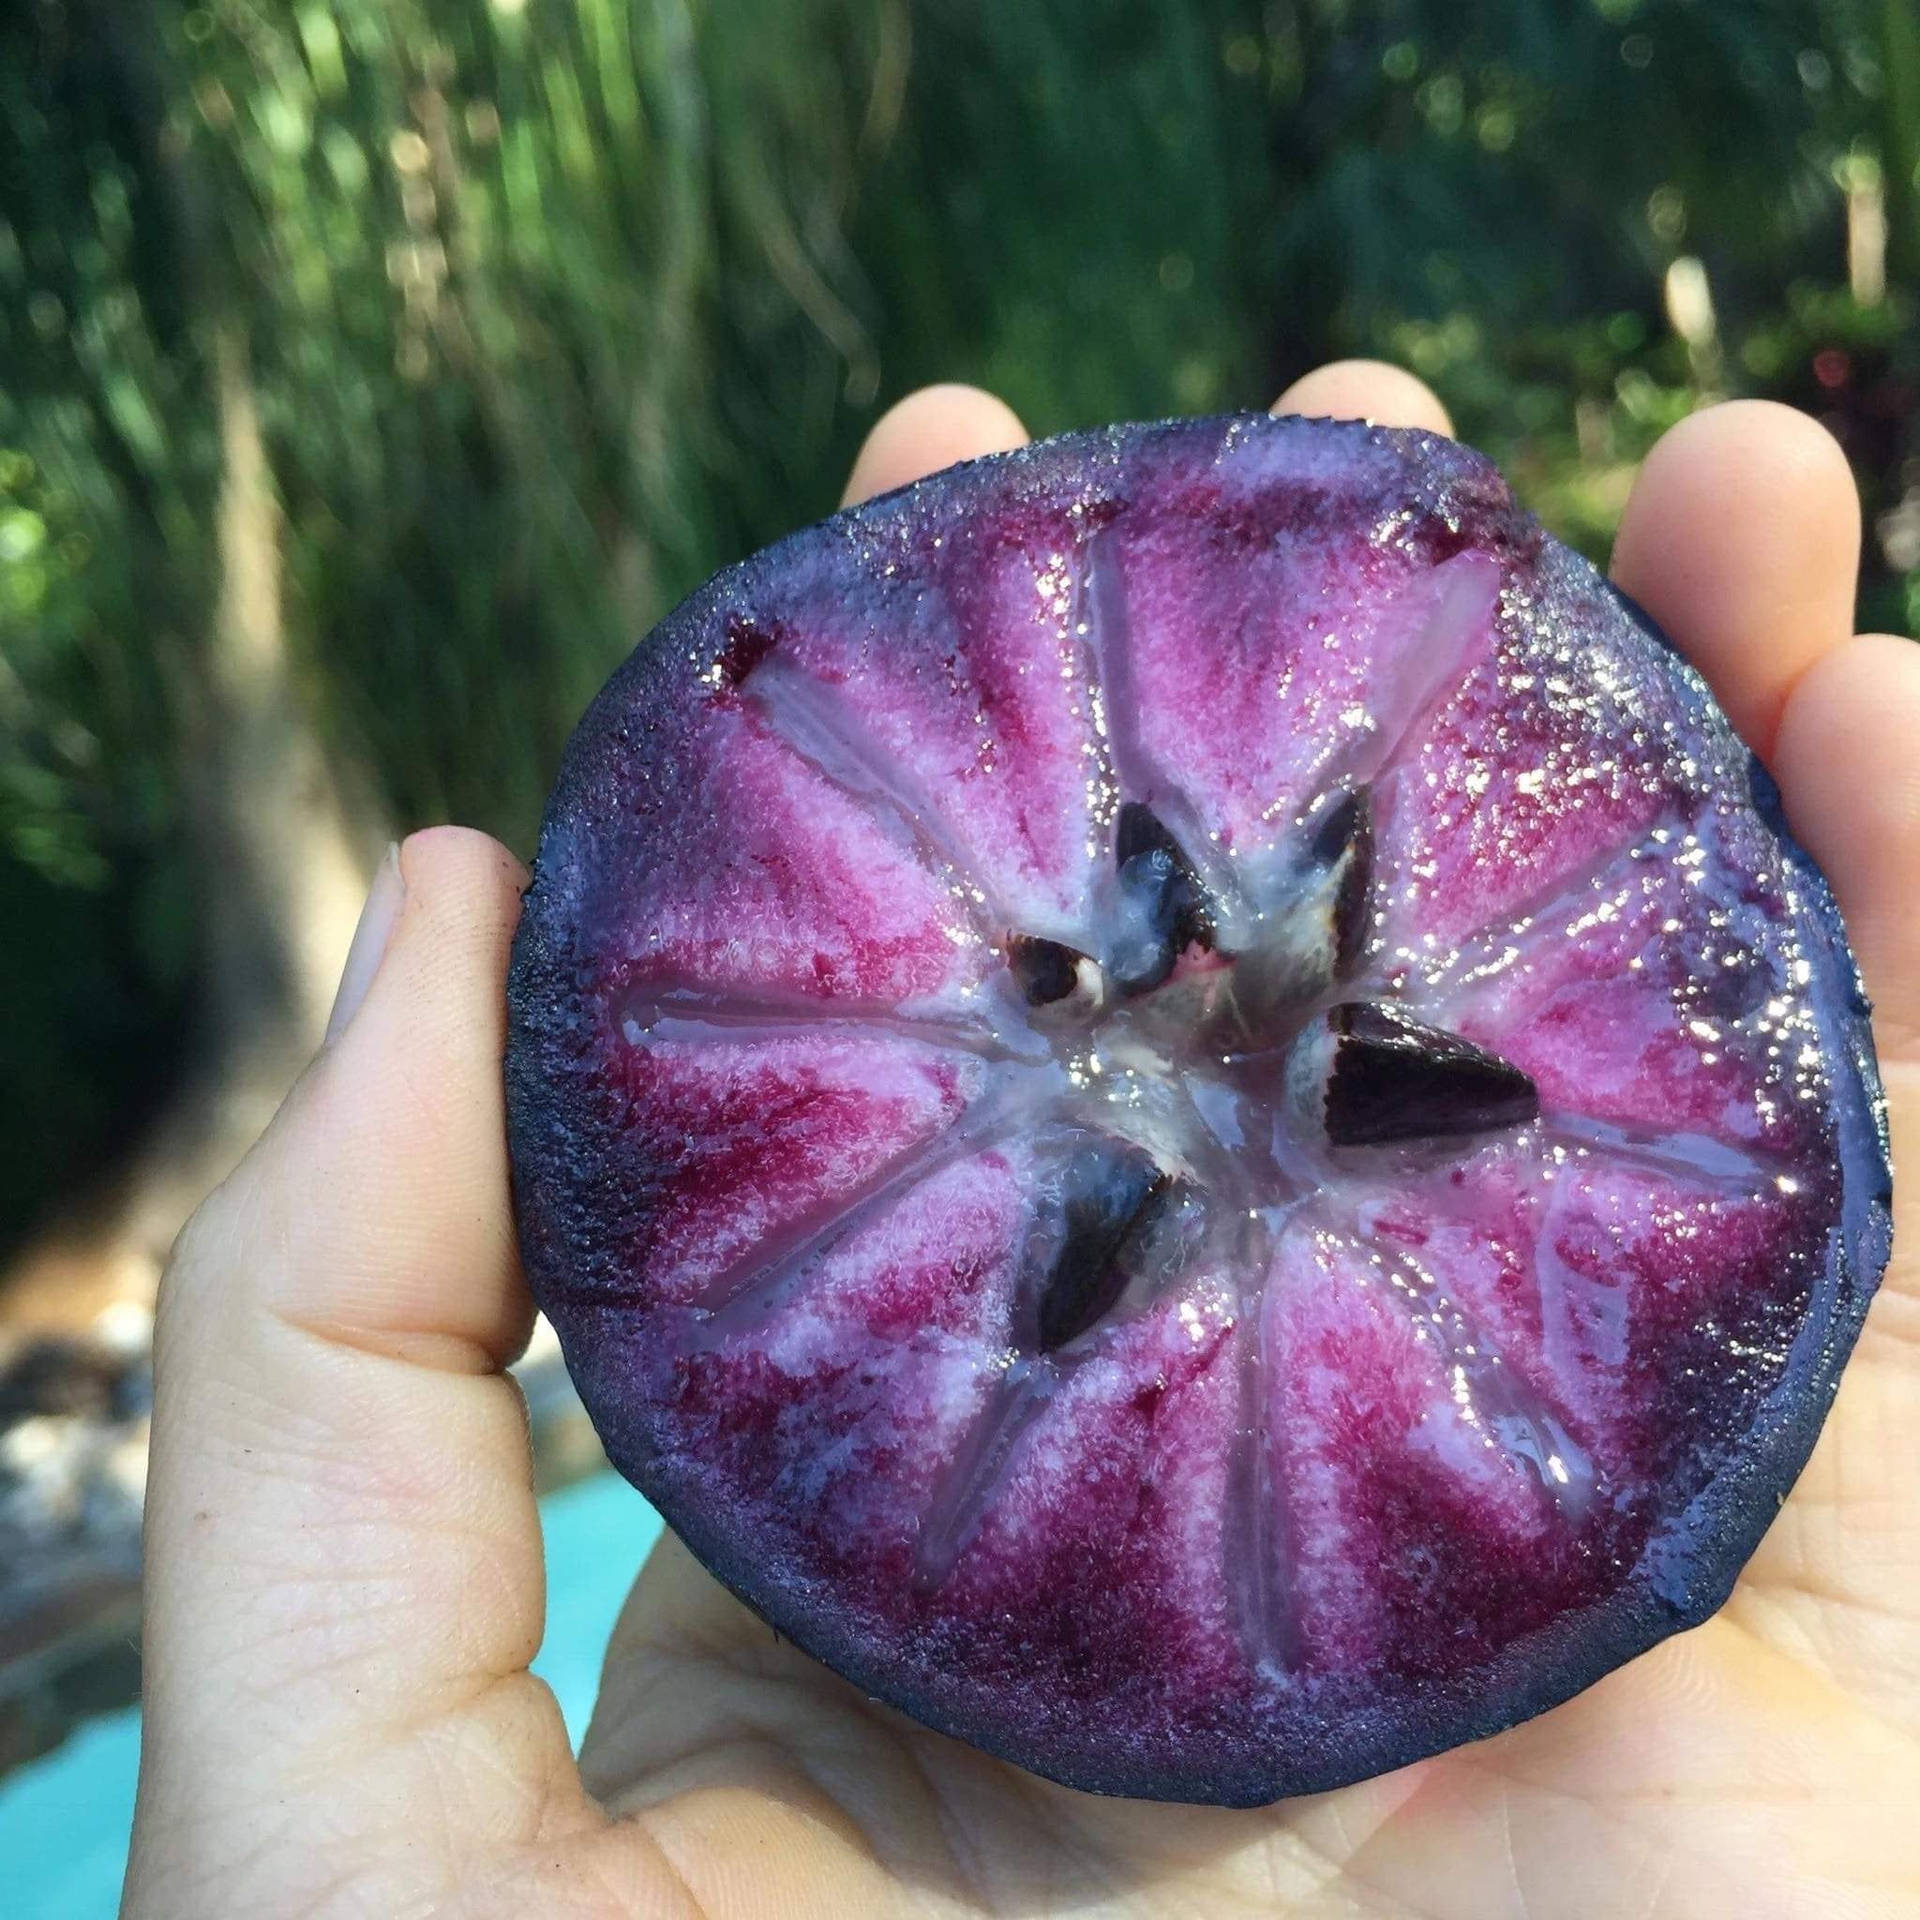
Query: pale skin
[[344, 1583]]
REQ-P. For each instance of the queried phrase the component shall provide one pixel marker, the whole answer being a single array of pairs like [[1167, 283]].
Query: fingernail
[[385, 898]]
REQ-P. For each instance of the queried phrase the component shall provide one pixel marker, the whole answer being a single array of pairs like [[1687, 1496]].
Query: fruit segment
[[952, 690], [819, 1413], [1659, 993], [713, 859], [1178, 1097], [736, 1143], [1100, 1533], [1425, 1492]]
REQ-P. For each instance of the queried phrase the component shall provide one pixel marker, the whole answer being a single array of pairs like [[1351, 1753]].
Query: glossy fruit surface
[[1179, 1100]]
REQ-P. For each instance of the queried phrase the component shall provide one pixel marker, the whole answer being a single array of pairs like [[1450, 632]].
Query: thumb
[[344, 1583]]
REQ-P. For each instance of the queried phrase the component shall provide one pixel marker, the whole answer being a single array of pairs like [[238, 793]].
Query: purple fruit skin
[[1138, 1688]]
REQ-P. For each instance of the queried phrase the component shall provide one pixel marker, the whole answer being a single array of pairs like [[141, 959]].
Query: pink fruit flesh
[[1179, 1099]]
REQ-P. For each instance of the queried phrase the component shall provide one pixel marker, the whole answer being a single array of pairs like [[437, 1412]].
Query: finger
[[343, 1546], [412, 1085], [1847, 765], [1742, 539], [1373, 390], [929, 430]]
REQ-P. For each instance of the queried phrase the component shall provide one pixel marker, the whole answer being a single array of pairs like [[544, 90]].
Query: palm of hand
[[344, 1559]]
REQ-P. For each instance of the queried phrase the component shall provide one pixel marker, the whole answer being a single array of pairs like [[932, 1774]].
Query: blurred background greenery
[[372, 372]]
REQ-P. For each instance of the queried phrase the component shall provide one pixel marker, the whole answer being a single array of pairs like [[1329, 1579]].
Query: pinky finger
[[1847, 763]]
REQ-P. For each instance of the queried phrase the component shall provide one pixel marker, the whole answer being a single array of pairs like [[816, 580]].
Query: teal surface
[[64, 1820]]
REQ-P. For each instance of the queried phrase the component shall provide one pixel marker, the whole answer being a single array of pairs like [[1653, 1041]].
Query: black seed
[[1143, 948], [1043, 970], [1111, 1195], [1338, 826], [1395, 1078], [1140, 830], [1350, 916], [1165, 906], [1346, 836]]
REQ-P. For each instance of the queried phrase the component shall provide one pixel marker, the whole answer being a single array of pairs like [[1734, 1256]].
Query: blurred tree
[[107, 464], [1104, 210], [534, 341], [433, 324], [375, 370]]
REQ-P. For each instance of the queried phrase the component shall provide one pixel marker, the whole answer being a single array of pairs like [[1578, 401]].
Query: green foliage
[[1100, 209], [551, 306], [499, 274], [106, 470]]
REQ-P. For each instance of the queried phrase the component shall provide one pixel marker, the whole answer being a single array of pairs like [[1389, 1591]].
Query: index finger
[[1374, 390], [928, 430]]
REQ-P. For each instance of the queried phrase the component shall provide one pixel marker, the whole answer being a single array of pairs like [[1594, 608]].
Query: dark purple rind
[[567, 1194]]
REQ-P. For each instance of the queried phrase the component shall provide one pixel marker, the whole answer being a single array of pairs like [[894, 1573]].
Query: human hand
[[344, 1583]]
